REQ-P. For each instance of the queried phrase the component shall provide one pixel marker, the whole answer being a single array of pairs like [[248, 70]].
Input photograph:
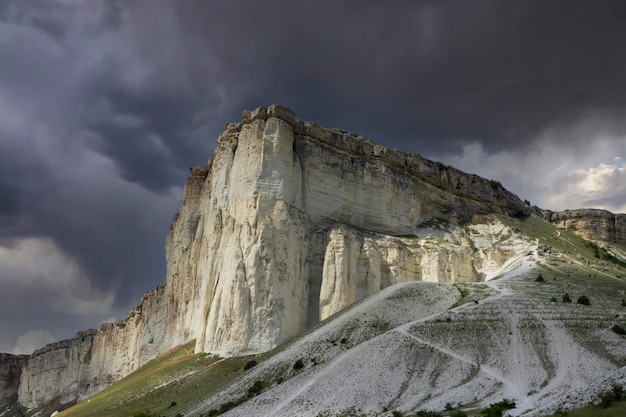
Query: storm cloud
[[105, 104]]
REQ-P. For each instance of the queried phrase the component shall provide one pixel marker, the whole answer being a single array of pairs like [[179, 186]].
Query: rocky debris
[[199, 172], [544, 250]]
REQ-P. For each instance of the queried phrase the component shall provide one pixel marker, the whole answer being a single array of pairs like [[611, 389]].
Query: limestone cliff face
[[77, 368], [288, 224], [294, 222], [59, 369], [591, 223], [10, 371]]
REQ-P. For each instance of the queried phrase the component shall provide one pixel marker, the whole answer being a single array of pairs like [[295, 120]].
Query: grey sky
[[105, 104]]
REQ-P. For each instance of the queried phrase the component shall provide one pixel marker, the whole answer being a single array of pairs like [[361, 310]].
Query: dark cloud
[[436, 72], [52, 28], [104, 105], [10, 204], [149, 134]]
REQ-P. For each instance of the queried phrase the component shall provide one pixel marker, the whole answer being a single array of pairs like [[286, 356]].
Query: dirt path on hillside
[[511, 383]]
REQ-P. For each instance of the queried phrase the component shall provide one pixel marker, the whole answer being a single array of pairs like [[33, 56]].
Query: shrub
[[618, 329], [583, 300], [257, 387], [496, 409], [623, 303], [428, 414], [298, 364], [567, 298], [618, 392], [553, 300], [459, 413], [225, 407], [540, 278], [606, 399], [249, 365], [615, 394]]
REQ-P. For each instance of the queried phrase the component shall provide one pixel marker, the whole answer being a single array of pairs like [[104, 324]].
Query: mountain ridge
[[338, 214]]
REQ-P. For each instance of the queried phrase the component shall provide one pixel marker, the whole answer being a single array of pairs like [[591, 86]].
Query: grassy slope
[[185, 378], [615, 410], [179, 376]]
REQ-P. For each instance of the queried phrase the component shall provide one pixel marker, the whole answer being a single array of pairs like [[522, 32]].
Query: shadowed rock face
[[591, 223], [288, 224], [10, 371]]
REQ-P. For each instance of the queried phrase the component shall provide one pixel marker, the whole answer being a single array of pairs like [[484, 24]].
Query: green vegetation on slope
[[562, 240], [617, 409], [166, 386], [602, 253]]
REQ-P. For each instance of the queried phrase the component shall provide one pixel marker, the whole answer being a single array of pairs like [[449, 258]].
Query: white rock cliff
[[288, 224]]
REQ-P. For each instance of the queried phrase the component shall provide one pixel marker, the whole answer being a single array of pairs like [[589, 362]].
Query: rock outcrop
[[10, 371], [292, 222], [288, 224], [75, 369], [591, 224]]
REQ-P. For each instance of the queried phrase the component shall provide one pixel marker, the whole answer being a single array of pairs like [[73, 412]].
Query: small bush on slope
[[298, 365], [496, 409], [583, 299]]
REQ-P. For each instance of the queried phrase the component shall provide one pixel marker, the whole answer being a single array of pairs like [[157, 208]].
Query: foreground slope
[[514, 344]]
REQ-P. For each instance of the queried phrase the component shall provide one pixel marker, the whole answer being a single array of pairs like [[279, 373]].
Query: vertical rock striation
[[75, 369], [295, 222], [288, 224], [10, 371]]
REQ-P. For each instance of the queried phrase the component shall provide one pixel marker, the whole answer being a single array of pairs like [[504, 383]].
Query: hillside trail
[[513, 387], [320, 374], [316, 377]]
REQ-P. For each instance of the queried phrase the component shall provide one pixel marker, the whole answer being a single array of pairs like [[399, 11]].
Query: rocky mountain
[[287, 225], [544, 331], [10, 372]]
